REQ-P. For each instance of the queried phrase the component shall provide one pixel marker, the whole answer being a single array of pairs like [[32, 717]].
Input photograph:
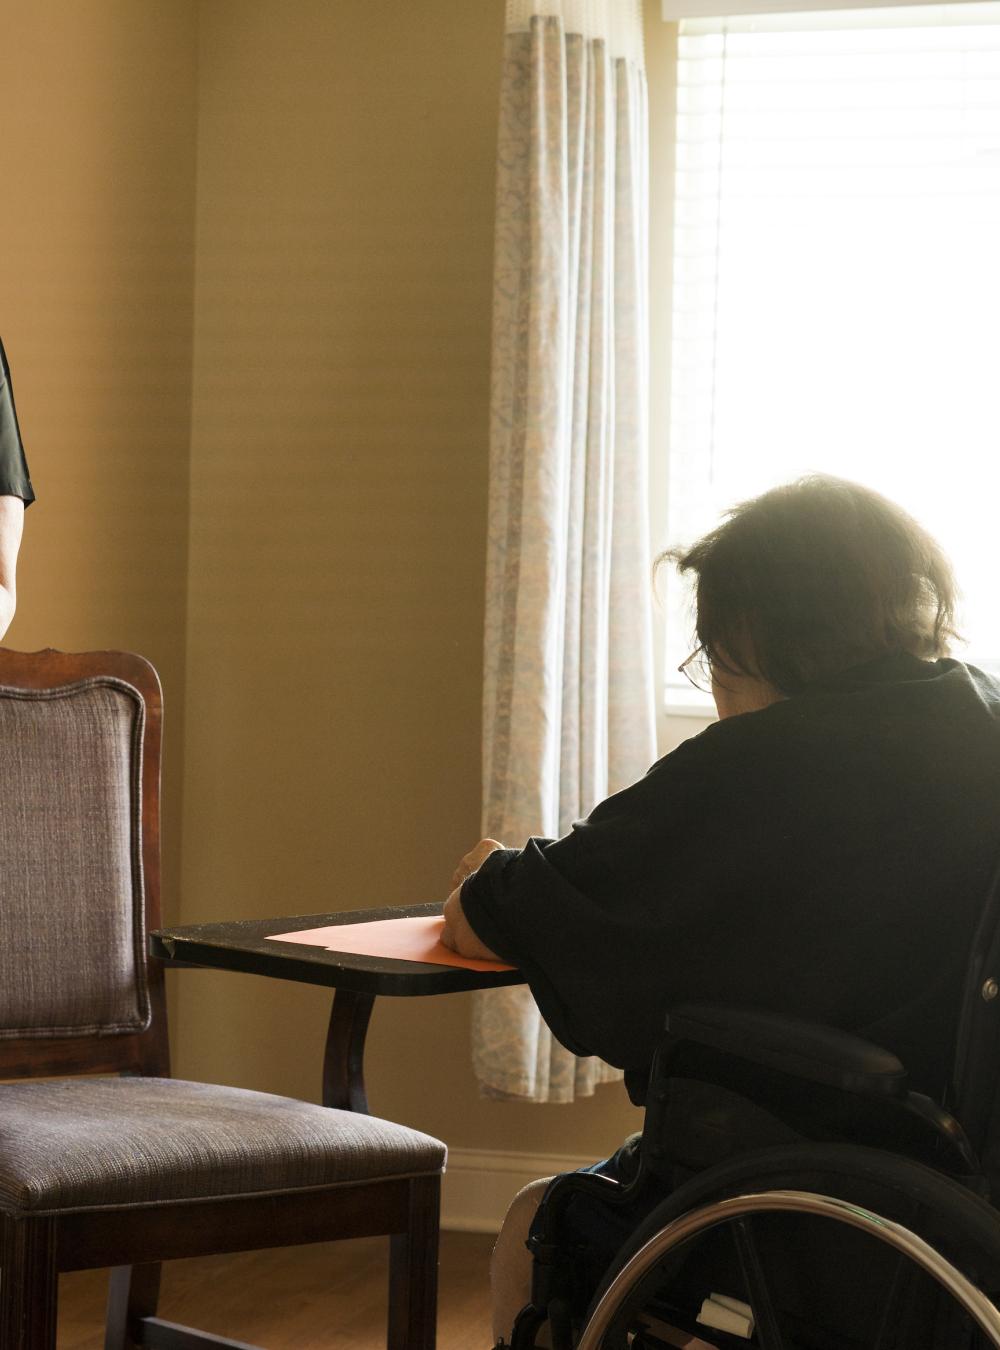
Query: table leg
[[343, 1062]]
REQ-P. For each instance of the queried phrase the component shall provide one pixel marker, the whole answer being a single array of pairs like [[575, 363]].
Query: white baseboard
[[479, 1185]]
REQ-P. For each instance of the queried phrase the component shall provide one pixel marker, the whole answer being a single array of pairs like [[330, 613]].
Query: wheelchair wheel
[[826, 1247]]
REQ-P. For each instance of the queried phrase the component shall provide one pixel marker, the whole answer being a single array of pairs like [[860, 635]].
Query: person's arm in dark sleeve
[[457, 934], [506, 877], [589, 917]]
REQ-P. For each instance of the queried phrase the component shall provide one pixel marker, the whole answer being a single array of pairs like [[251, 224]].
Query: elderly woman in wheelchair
[[787, 934]]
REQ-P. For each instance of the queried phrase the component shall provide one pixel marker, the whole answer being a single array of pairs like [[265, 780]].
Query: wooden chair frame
[[135, 1240]]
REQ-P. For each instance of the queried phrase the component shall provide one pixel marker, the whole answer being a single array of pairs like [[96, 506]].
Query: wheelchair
[[833, 1208]]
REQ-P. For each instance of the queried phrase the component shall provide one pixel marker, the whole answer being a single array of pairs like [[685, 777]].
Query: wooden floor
[[330, 1296]]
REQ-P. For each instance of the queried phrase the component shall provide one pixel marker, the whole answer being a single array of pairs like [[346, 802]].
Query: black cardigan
[[825, 857]]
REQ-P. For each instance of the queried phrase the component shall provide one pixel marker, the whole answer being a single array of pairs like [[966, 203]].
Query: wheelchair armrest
[[802, 1050], [819, 1082]]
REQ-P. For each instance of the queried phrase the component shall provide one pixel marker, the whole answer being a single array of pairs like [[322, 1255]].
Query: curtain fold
[[568, 692]]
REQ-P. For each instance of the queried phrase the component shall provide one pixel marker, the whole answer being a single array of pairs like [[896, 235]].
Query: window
[[836, 283]]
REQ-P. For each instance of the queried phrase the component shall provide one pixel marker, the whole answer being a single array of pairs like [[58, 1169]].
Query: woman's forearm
[[8, 604], [11, 525]]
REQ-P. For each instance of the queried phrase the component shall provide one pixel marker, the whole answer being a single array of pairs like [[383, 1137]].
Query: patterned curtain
[[568, 697]]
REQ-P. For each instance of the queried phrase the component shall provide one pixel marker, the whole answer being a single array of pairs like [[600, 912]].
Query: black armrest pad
[[803, 1050]]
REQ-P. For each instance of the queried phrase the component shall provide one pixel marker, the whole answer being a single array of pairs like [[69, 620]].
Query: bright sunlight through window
[[836, 293]]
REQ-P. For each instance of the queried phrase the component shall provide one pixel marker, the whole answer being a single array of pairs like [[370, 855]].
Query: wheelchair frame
[[821, 1083]]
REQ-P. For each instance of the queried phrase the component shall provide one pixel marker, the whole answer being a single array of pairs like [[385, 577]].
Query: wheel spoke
[[902, 1281], [769, 1335]]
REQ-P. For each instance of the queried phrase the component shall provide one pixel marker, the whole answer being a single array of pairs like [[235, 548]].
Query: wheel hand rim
[[982, 1311]]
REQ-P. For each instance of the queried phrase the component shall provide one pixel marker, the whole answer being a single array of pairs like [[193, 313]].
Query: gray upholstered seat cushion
[[93, 1143]]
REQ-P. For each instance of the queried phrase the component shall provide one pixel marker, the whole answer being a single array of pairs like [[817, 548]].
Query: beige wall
[[325, 615], [344, 243], [97, 128]]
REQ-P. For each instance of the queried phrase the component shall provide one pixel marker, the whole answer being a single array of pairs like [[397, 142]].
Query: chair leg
[[133, 1293], [28, 1284], [413, 1271]]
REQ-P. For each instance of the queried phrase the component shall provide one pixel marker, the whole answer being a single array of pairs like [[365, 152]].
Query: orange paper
[[416, 939]]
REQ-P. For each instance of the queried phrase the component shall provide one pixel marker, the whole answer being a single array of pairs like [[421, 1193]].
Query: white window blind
[[836, 283]]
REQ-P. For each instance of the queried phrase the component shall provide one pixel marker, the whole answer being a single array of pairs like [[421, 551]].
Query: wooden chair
[[123, 1165]]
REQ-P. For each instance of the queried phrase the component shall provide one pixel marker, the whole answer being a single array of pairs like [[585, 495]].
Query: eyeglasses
[[698, 669]]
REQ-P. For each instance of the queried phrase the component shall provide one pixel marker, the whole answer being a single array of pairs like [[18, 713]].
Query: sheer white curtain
[[568, 698]]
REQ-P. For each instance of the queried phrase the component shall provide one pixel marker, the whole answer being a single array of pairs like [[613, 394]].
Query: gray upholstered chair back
[[71, 883]]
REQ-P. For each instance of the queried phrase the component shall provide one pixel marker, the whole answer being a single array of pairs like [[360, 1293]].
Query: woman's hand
[[473, 860], [457, 934]]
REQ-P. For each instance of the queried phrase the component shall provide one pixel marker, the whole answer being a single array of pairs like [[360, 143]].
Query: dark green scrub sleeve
[[14, 479]]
